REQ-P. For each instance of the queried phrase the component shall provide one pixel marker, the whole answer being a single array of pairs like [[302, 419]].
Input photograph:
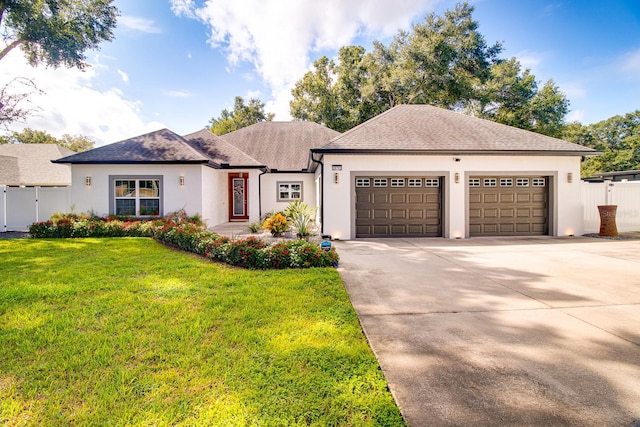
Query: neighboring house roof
[[30, 164], [281, 145], [162, 146], [424, 128], [220, 152], [632, 175]]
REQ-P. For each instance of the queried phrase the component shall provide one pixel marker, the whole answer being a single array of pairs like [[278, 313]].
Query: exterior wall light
[[87, 181], [570, 177], [336, 178], [457, 177], [181, 180]]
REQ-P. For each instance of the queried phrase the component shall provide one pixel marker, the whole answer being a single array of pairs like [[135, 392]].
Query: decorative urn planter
[[608, 220]]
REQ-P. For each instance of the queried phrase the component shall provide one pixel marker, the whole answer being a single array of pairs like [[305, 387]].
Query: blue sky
[[178, 63]]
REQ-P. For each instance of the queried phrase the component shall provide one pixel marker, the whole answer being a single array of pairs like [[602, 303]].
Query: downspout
[[321, 191], [260, 193]]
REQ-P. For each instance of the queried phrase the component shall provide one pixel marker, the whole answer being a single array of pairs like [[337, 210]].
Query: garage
[[398, 206], [508, 205]]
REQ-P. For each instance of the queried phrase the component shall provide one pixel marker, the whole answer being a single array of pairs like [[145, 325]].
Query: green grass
[[128, 332]]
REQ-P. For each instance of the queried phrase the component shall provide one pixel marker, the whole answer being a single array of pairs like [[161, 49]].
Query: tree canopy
[[56, 32], [618, 138], [242, 115], [75, 143], [444, 61]]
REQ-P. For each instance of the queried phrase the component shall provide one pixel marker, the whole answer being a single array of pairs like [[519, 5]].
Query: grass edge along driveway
[[125, 331]]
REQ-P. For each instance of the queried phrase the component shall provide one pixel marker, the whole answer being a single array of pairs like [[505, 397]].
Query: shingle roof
[[162, 146], [30, 164], [432, 129], [281, 145], [219, 151]]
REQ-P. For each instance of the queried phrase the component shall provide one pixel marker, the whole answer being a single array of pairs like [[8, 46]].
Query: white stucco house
[[414, 170]]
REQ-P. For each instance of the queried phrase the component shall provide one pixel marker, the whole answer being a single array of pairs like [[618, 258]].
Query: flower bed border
[[179, 230]]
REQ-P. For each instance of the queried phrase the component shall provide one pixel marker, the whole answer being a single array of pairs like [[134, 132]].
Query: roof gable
[[31, 164], [283, 146], [162, 146], [433, 129], [219, 151]]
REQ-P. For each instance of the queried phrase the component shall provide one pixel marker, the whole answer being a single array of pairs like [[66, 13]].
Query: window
[[288, 191], [397, 182], [522, 182], [363, 182], [490, 182], [136, 197], [415, 182], [538, 182], [379, 182], [474, 182], [432, 182], [506, 182]]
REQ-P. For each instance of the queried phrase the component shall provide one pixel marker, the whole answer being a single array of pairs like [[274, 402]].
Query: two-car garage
[[411, 206]]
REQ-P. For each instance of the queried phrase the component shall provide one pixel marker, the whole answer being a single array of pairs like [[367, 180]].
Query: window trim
[[289, 183], [112, 191]]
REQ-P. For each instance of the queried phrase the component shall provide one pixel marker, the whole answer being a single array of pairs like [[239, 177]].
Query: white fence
[[626, 195], [22, 206]]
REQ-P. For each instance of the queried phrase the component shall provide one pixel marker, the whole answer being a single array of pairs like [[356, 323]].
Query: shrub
[[276, 224], [179, 231]]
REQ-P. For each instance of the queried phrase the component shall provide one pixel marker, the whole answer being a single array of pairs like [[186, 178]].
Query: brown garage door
[[508, 205], [397, 206]]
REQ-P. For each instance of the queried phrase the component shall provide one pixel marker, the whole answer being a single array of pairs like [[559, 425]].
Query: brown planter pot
[[608, 220]]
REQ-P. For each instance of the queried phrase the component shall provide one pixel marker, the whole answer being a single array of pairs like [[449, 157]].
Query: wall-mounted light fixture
[[336, 178], [181, 180], [570, 177], [87, 181], [457, 177]]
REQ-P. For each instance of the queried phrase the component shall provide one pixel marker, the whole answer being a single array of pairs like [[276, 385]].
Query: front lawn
[[125, 331]]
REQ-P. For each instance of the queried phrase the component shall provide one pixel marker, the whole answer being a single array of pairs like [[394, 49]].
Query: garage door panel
[[397, 210], [497, 207]]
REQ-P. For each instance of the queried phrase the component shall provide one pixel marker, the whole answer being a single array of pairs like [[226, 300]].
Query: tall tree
[[242, 115], [617, 137], [75, 143], [56, 32], [440, 62]]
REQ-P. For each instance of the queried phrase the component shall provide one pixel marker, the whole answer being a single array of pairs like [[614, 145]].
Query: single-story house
[[414, 170], [29, 165], [616, 176]]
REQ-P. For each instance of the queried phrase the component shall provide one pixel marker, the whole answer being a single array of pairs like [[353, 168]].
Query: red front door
[[238, 190]]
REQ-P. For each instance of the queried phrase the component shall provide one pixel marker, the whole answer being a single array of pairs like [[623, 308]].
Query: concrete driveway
[[508, 331]]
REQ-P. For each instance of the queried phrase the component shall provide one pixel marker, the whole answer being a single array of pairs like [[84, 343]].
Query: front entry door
[[238, 197]]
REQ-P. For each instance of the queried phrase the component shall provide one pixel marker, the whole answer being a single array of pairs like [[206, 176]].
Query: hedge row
[[249, 253]]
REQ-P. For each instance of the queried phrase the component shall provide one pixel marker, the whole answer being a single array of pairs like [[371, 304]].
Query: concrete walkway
[[508, 331]]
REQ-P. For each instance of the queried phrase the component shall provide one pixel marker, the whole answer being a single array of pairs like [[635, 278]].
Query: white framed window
[[288, 191], [506, 182], [136, 196], [397, 182], [538, 182], [474, 182], [431, 182], [380, 182], [363, 182], [490, 182], [522, 182], [415, 182]]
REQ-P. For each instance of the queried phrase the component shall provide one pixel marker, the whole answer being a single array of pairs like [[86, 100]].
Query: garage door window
[[490, 182], [431, 182], [380, 182], [397, 182], [506, 182], [538, 182], [522, 182], [363, 182], [474, 182], [415, 182]]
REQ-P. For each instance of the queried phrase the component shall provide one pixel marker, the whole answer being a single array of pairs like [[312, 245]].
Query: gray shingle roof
[[281, 145], [433, 129], [162, 146], [30, 164], [219, 151]]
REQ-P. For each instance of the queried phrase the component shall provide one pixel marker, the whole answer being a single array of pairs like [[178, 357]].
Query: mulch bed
[[623, 236], [14, 235]]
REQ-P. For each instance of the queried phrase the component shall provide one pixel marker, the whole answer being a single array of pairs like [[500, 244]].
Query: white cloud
[[575, 116], [530, 59], [631, 62], [573, 89], [71, 105], [124, 76], [139, 24], [278, 36], [177, 93]]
